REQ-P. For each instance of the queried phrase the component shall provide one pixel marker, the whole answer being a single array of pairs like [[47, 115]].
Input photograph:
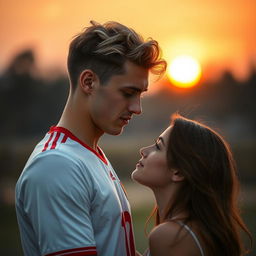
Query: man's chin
[[115, 131]]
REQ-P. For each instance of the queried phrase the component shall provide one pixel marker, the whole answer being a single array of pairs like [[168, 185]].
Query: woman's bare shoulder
[[168, 231], [170, 238], [165, 228], [163, 237]]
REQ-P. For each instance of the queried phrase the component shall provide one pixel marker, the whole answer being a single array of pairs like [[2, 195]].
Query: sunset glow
[[48, 26], [184, 71]]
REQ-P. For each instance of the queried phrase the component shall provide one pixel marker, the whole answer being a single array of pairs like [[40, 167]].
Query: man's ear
[[176, 175], [87, 80]]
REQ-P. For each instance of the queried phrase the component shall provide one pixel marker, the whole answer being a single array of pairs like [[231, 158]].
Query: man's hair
[[105, 48]]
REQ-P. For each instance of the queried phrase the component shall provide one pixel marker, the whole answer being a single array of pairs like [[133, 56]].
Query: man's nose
[[135, 106]]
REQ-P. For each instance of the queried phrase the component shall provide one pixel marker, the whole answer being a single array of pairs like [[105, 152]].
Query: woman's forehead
[[165, 135]]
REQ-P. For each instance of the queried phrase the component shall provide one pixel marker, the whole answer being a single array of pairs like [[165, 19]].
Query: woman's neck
[[165, 199]]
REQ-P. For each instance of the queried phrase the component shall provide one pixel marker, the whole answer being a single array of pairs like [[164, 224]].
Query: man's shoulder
[[53, 172], [47, 166], [50, 157], [53, 164], [64, 163]]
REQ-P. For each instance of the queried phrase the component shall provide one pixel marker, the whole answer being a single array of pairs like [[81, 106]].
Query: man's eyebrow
[[136, 89]]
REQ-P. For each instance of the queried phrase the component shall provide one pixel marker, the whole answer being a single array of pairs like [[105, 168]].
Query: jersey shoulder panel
[[54, 172]]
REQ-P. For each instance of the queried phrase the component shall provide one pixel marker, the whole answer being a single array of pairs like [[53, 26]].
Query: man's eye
[[127, 94]]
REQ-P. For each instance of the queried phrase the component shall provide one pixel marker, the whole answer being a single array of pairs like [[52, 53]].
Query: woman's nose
[[143, 152]]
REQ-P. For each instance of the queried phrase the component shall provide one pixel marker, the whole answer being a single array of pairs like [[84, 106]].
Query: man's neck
[[77, 121]]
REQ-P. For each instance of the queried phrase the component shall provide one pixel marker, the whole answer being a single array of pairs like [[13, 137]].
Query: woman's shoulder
[[164, 237], [172, 237], [168, 231]]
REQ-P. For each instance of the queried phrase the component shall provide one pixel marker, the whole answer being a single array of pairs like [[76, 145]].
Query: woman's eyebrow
[[162, 140]]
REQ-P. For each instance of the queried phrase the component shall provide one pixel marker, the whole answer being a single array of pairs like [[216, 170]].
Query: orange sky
[[221, 34]]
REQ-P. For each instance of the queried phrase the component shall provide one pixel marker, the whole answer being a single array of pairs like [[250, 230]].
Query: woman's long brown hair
[[210, 190]]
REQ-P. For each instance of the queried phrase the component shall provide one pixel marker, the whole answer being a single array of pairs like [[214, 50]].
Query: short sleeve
[[56, 198]]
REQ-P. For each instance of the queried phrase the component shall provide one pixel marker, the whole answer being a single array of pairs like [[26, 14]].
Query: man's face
[[113, 104]]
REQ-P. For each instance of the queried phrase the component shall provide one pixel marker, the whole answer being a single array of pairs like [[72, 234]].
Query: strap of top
[[193, 235]]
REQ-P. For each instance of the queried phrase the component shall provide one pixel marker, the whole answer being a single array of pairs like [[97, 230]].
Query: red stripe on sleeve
[[75, 252], [55, 141], [47, 143]]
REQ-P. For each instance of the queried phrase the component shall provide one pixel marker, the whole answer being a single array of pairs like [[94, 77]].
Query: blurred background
[[211, 77]]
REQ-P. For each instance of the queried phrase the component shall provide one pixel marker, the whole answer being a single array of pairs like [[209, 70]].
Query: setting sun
[[184, 71]]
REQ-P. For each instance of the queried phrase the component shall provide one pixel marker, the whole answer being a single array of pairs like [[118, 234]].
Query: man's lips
[[125, 119]]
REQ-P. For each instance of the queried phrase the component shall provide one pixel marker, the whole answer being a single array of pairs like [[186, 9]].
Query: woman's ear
[[177, 176], [87, 80]]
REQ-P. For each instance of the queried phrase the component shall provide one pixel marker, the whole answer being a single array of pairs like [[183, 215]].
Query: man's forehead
[[136, 76]]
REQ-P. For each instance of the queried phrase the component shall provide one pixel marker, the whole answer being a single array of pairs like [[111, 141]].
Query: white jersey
[[69, 201]]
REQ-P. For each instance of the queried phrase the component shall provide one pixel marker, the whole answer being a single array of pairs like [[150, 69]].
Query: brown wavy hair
[[105, 48], [210, 190]]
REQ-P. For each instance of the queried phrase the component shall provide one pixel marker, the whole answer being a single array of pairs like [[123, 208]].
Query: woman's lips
[[139, 164]]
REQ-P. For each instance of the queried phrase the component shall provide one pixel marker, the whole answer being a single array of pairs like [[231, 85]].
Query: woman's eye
[[157, 146]]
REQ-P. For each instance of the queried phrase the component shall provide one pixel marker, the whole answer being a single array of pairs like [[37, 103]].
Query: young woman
[[192, 173]]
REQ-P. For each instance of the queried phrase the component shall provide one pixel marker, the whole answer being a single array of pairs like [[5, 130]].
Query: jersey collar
[[70, 135]]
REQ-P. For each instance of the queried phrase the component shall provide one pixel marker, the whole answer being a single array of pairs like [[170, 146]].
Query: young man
[[69, 200]]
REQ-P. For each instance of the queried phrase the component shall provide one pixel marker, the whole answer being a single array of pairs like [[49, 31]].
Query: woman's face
[[152, 169]]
